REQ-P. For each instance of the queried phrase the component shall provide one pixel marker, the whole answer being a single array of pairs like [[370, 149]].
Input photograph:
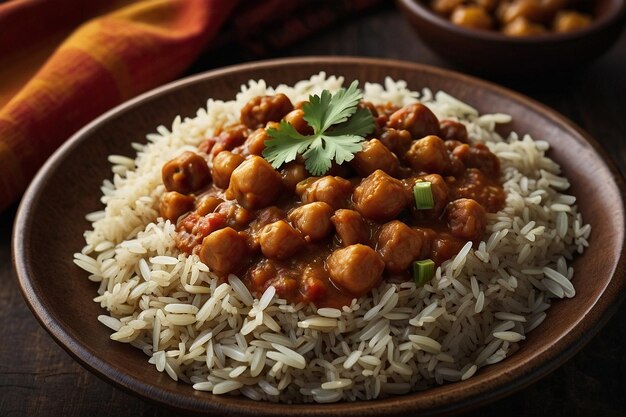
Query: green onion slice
[[423, 195], [423, 271]]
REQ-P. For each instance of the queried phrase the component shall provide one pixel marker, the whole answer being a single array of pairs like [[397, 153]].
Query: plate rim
[[605, 306]]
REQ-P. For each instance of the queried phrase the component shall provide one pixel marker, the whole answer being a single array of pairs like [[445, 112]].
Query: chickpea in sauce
[[517, 18], [327, 239]]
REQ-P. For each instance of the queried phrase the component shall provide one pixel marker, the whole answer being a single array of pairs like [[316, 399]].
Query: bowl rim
[[551, 357], [417, 8]]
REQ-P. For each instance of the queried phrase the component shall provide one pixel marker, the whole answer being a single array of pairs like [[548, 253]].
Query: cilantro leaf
[[323, 111], [345, 146], [360, 124], [285, 144], [338, 132], [317, 159]]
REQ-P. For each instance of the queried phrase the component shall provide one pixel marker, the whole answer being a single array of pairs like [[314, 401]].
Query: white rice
[[218, 337]]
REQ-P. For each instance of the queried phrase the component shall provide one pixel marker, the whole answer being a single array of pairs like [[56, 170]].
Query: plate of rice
[[104, 261]]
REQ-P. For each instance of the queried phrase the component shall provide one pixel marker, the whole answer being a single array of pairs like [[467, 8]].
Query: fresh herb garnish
[[339, 128], [422, 191], [423, 271]]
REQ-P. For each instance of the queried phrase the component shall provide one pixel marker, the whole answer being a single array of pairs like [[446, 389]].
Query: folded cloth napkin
[[63, 62], [55, 77]]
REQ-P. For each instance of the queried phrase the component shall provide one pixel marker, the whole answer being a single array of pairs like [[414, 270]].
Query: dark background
[[37, 378]]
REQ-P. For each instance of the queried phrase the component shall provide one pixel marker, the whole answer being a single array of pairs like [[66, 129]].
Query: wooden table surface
[[37, 378]]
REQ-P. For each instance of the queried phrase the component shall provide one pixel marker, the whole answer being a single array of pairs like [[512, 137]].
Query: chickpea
[[224, 164], [206, 204], [279, 240], [296, 119], [568, 21], [522, 27], [255, 143], [313, 220], [399, 245], [187, 173], [260, 110], [254, 183], [474, 17], [356, 268], [466, 218], [350, 226], [531, 10], [374, 156], [451, 130], [478, 156], [418, 119], [174, 204], [292, 174], [428, 154], [380, 197], [223, 250], [397, 141], [332, 190]]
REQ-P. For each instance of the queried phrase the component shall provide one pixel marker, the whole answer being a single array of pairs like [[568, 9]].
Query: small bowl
[[492, 53], [50, 223]]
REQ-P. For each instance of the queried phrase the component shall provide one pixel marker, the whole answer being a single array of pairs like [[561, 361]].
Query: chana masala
[[412, 196], [316, 243]]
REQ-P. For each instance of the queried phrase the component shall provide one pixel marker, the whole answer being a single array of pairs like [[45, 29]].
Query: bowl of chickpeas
[[517, 37]]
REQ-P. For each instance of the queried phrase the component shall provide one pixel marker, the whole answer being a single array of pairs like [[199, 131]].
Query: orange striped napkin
[[63, 62]]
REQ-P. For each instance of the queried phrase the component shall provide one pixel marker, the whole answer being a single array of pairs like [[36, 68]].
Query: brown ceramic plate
[[50, 224]]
